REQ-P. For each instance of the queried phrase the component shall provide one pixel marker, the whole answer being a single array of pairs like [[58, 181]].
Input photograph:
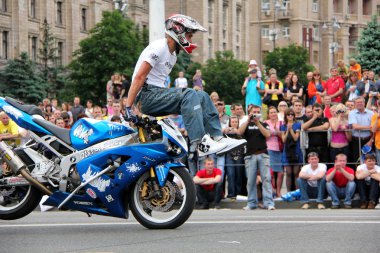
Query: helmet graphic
[[178, 25]]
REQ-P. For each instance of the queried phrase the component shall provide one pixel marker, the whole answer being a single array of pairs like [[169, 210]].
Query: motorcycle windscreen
[[87, 132]]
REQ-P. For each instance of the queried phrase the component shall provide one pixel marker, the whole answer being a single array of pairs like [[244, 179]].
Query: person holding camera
[[317, 127], [257, 158], [340, 134]]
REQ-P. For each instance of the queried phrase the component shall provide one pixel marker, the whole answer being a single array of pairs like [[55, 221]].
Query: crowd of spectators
[[310, 133]]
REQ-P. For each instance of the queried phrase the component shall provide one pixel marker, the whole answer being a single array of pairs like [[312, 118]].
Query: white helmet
[[178, 25]]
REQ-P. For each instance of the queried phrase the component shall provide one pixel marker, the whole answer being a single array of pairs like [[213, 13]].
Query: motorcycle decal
[[91, 193], [98, 183], [97, 148], [132, 168], [114, 128], [83, 133], [149, 158], [109, 198], [85, 203], [13, 111]]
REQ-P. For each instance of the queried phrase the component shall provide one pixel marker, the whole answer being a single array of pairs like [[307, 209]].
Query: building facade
[[329, 29], [69, 20]]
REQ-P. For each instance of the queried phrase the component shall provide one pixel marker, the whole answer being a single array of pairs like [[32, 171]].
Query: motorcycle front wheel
[[171, 208]]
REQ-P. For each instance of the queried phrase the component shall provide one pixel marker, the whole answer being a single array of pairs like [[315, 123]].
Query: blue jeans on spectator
[[252, 164], [368, 190], [234, 175], [336, 192], [308, 191], [198, 111]]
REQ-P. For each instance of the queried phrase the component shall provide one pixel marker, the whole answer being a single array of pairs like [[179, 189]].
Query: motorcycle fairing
[[21, 118], [87, 132], [110, 189]]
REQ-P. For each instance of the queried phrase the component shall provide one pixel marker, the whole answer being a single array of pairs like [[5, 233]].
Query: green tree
[[292, 58], [225, 75], [47, 55], [22, 80], [369, 46], [112, 46]]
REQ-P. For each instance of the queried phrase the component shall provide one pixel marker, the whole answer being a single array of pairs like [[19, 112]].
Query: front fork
[[153, 181]]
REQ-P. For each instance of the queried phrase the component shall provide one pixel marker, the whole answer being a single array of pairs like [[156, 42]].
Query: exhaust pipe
[[19, 167]]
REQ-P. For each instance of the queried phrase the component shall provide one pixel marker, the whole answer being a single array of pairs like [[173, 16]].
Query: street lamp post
[[333, 46], [273, 33]]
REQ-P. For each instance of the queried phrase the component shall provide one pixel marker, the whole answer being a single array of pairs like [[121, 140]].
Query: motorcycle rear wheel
[[169, 212], [20, 203]]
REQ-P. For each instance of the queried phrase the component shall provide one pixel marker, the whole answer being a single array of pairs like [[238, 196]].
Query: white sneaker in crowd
[[231, 144], [377, 206], [208, 146]]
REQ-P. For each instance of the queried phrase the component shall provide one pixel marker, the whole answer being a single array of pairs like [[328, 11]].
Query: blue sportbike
[[97, 167]]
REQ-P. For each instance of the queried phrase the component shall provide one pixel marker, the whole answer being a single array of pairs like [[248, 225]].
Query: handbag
[[280, 143], [267, 99]]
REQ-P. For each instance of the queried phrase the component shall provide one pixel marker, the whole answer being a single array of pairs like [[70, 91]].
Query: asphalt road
[[206, 231]]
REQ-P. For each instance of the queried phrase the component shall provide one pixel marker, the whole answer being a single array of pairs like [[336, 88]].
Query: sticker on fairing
[[98, 183], [83, 133], [133, 168]]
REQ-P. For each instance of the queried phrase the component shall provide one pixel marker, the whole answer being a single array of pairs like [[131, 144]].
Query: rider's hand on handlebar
[[130, 115]]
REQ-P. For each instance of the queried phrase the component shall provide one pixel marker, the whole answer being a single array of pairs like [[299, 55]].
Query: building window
[[316, 33], [5, 44], [225, 16], [238, 14], [224, 46], [265, 31], [210, 11], [209, 48], [315, 6], [265, 5], [237, 52], [59, 13], [60, 53], [4, 5], [33, 53], [84, 19], [378, 10], [32, 10], [286, 32]]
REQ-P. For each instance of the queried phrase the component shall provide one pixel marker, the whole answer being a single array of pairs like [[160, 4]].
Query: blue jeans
[[234, 175], [308, 191], [341, 192], [252, 164], [198, 111]]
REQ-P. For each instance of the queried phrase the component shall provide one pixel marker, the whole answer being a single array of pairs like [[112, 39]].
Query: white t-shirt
[[309, 171], [364, 168], [181, 82], [157, 54]]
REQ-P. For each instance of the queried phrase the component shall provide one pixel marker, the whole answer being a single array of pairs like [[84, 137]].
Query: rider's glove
[[130, 115]]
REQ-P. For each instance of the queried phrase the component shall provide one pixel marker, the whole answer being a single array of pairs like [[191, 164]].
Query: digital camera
[[254, 116]]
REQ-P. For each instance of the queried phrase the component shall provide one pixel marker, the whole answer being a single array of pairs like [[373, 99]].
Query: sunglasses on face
[[316, 74], [291, 114]]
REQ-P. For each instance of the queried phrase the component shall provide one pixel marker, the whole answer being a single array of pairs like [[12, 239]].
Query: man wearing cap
[[252, 89]]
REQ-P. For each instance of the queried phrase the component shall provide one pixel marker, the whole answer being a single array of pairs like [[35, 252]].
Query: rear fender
[[162, 171]]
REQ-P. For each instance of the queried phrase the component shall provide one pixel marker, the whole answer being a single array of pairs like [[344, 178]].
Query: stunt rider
[[199, 113]]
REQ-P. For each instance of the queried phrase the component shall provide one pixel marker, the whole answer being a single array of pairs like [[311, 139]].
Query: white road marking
[[229, 242], [192, 222]]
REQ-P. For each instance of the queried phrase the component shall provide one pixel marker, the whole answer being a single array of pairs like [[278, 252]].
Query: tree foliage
[[225, 75], [113, 45], [369, 46], [49, 65], [292, 58], [22, 80]]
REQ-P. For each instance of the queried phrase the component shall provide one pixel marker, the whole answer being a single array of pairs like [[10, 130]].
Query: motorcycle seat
[[62, 133], [29, 109]]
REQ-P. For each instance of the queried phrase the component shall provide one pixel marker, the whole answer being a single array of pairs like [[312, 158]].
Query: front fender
[[162, 171]]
